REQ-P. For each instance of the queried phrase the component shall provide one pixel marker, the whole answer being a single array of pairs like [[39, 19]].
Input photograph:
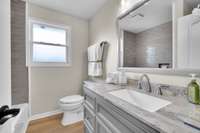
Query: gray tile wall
[[151, 47], [129, 49], [19, 71]]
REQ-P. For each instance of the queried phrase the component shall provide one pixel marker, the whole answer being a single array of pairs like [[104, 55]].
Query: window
[[50, 44]]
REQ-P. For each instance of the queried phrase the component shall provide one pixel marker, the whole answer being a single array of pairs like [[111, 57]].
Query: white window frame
[[30, 61]]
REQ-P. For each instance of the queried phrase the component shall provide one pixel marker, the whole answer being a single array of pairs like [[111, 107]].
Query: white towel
[[95, 52], [95, 69], [95, 57]]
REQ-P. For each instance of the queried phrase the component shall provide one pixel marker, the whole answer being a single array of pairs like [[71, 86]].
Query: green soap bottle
[[193, 91]]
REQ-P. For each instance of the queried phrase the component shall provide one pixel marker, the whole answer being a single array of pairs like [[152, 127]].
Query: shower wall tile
[[129, 49], [151, 47], [19, 71]]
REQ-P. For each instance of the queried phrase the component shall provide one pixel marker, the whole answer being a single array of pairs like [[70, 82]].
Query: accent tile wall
[[149, 48], [129, 49], [19, 71]]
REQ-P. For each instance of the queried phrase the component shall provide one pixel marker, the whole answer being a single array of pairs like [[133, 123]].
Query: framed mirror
[[146, 36]]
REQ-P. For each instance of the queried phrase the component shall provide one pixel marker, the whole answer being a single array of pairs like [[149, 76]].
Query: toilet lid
[[72, 99]]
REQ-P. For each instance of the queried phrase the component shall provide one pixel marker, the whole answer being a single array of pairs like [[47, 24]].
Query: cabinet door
[[89, 117], [90, 98], [114, 124], [101, 127], [87, 129]]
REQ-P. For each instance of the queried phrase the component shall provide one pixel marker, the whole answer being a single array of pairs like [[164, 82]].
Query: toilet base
[[71, 118]]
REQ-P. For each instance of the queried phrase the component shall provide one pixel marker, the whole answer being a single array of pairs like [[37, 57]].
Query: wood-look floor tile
[[54, 126]]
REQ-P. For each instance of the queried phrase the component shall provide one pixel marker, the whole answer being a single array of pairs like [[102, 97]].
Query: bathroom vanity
[[106, 113], [102, 116]]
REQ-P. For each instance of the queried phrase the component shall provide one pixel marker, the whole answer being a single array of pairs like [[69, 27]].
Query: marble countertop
[[165, 120]]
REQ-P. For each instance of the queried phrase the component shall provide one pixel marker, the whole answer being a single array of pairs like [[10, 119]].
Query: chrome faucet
[[144, 83], [162, 87]]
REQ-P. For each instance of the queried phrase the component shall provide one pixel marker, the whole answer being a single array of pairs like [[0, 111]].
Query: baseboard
[[45, 115]]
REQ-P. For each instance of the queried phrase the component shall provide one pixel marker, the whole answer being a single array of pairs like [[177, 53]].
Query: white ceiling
[[80, 8], [155, 13]]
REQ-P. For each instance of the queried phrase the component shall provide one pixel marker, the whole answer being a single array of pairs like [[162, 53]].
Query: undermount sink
[[143, 101]]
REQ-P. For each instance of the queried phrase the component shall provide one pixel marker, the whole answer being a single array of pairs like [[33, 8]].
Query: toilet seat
[[71, 106], [71, 103], [72, 99]]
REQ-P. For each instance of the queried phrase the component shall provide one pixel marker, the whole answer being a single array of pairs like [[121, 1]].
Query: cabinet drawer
[[101, 127], [89, 117], [87, 129], [90, 98]]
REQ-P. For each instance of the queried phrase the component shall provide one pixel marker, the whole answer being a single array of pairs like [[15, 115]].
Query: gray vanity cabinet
[[101, 116], [101, 127], [108, 119], [89, 111]]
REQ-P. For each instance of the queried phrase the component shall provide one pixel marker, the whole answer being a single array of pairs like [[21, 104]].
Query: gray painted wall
[[151, 47], [49, 84], [19, 71]]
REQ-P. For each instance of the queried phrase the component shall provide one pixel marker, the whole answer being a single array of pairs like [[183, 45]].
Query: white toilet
[[72, 107]]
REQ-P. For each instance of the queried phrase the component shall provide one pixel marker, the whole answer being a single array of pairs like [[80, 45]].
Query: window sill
[[49, 65]]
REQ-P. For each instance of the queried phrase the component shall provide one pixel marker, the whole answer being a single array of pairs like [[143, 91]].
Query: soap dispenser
[[193, 91]]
